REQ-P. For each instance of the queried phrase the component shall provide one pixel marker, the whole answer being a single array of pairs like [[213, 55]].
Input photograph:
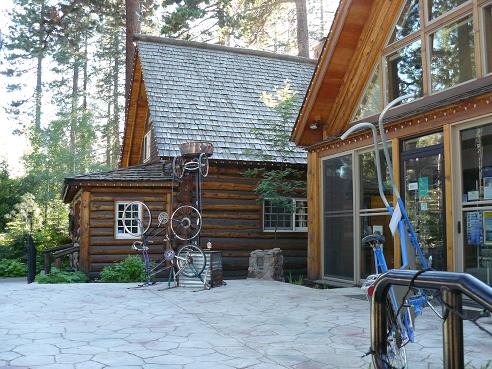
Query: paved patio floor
[[246, 324]]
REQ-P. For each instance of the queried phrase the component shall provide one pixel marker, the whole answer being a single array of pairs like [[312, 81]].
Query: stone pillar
[[266, 264]]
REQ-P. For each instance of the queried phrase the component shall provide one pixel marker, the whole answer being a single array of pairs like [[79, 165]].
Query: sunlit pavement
[[246, 324]]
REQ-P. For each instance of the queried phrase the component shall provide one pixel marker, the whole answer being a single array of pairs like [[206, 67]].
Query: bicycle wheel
[[191, 261], [396, 355], [203, 164], [136, 218], [178, 166], [186, 222]]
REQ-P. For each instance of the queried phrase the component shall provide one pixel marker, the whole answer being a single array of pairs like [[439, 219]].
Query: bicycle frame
[[404, 226]]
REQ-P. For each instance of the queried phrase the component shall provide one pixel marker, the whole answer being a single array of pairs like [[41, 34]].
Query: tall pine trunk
[[38, 93], [85, 76], [302, 28], [74, 112], [115, 129], [132, 28]]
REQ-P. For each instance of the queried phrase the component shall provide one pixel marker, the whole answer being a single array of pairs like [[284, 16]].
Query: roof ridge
[[237, 50]]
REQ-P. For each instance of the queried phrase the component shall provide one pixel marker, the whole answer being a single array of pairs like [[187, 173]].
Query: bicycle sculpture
[[401, 310], [182, 254]]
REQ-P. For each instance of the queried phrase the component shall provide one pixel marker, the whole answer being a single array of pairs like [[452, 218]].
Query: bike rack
[[452, 285]]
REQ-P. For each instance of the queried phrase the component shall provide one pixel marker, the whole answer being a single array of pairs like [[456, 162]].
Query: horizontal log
[[119, 191], [101, 224], [252, 235], [227, 186], [131, 197], [230, 226], [231, 207], [208, 215], [228, 195]]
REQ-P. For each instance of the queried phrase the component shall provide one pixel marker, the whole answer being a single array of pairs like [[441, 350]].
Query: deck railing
[[56, 253], [452, 286]]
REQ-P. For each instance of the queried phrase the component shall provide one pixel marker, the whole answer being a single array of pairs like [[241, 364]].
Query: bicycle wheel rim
[[191, 261]]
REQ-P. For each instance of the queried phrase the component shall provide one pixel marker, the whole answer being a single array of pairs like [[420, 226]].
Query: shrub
[[57, 276], [131, 269], [12, 268]]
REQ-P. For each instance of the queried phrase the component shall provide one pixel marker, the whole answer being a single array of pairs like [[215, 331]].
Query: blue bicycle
[[400, 315]]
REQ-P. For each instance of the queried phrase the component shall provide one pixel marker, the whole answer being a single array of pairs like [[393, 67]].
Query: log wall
[[232, 221]]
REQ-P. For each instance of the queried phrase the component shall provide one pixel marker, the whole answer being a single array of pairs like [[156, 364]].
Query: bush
[[12, 268], [131, 269], [57, 276]]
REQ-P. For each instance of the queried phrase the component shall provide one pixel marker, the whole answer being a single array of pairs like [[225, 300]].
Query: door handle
[[459, 227]]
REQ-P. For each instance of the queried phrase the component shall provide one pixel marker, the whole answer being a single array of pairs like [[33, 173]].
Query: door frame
[[420, 153], [458, 225]]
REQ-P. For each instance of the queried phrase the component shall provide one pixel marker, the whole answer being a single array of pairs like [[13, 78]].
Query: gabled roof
[[345, 65], [145, 173], [199, 91]]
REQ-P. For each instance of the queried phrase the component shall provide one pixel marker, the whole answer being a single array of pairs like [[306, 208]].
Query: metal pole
[[452, 331], [378, 330]]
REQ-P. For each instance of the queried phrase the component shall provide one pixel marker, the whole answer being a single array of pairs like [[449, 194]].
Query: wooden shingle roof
[[208, 92]]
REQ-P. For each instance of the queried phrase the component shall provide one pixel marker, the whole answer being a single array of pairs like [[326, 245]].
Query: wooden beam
[[448, 189], [84, 254], [314, 216]]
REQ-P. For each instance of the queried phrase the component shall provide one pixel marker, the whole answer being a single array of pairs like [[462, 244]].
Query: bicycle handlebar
[[365, 125], [383, 139]]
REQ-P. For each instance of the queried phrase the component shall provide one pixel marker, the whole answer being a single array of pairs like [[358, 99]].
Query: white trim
[[147, 146], [124, 236]]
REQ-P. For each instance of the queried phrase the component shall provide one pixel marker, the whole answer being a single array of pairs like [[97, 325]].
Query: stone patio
[[246, 324]]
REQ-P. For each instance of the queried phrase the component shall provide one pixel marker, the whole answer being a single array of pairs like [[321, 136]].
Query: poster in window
[[487, 227], [487, 188], [474, 228], [423, 183]]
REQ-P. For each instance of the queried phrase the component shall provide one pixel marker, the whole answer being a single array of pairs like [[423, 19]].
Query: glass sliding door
[[373, 216], [422, 179], [338, 218], [476, 201]]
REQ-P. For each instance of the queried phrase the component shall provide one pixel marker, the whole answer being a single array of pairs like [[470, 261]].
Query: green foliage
[[299, 280], [285, 181], [12, 268], [131, 269], [57, 276], [189, 19], [487, 365]]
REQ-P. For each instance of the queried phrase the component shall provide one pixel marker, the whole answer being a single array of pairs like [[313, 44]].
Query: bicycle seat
[[373, 238]]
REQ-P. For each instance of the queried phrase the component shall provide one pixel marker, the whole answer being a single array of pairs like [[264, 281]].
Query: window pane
[[487, 31], [409, 21], [370, 224], [476, 163], [423, 141], [405, 71], [301, 214], [276, 218], [369, 191], [371, 102], [439, 7], [452, 55], [338, 217]]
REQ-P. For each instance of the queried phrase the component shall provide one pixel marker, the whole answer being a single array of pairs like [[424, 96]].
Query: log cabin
[[441, 141], [183, 91]]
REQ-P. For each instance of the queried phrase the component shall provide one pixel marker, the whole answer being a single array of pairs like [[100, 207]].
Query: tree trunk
[[321, 18], [38, 93], [132, 28], [302, 29], [108, 136], [73, 113], [115, 129], [86, 76]]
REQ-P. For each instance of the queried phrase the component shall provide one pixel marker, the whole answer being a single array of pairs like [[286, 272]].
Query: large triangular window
[[371, 101], [408, 23]]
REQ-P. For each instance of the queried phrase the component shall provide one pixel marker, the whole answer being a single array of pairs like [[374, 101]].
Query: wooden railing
[[56, 253]]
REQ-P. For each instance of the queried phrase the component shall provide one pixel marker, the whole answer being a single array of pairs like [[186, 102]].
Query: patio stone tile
[[31, 360], [169, 359], [39, 349], [117, 358]]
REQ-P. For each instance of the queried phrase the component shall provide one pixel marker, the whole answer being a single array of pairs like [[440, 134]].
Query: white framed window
[[280, 219], [146, 146], [132, 216]]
